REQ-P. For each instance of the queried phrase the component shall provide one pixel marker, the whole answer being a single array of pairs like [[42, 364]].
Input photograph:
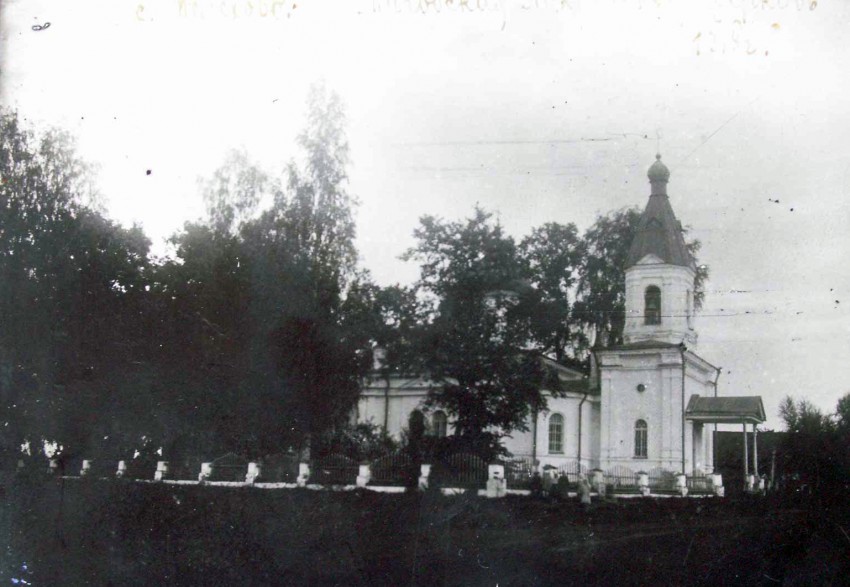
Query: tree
[[477, 332], [554, 254], [814, 449], [72, 296], [602, 296], [320, 355], [274, 320], [400, 316], [233, 194], [803, 417], [842, 413]]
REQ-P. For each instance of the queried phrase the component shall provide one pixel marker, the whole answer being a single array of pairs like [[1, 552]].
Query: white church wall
[[402, 402], [373, 403], [520, 443], [593, 434], [659, 405], [371, 409], [676, 284], [568, 408]]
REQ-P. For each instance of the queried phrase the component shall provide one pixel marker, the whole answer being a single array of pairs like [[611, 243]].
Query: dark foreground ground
[[110, 533]]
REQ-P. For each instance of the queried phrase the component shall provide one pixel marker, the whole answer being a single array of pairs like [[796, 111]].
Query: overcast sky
[[539, 110]]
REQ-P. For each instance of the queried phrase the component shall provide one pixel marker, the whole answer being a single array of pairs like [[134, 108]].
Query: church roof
[[659, 233], [726, 409], [579, 386], [643, 344]]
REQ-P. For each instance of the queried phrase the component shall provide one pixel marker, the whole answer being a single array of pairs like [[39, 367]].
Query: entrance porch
[[741, 410]]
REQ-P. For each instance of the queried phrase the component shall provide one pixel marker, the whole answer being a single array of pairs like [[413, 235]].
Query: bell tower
[[660, 272]]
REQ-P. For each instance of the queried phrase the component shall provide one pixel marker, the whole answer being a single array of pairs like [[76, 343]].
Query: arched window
[[440, 424], [556, 434], [652, 305], [641, 433], [690, 309]]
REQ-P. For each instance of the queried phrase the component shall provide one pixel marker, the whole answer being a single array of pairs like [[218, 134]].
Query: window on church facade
[[556, 434], [652, 305], [641, 433], [440, 424]]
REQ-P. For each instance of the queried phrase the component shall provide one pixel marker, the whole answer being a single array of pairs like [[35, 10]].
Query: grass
[[113, 533]]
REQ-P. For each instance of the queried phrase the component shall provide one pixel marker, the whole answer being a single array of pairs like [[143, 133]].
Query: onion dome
[[658, 172]]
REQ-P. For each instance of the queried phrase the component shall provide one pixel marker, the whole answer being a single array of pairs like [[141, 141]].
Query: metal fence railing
[[394, 469], [334, 469], [572, 471], [464, 470], [519, 471], [699, 483], [280, 468], [621, 479], [662, 480], [229, 467]]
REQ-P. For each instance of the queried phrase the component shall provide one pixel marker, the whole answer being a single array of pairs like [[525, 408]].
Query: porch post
[[755, 450], [693, 448], [746, 454]]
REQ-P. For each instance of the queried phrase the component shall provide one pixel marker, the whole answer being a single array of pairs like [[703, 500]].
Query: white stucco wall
[[408, 395], [660, 405], [522, 443], [676, 284]]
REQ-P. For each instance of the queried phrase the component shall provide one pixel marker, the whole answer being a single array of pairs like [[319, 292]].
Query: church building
[[646, 404]]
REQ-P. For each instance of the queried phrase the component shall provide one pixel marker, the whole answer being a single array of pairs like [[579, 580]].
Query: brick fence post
[[643, 483], [424, 475], [254, 472], [303, 474], [364, 475], [496, 482], [161, 471]]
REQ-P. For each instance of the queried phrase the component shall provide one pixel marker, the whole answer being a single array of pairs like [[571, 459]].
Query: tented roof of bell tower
[[659, 233]]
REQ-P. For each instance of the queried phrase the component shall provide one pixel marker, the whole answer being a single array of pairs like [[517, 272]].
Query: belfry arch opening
[[652, 305]]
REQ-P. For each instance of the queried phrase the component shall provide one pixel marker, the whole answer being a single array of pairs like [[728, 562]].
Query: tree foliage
[[477, 330], [256, 333], [554, 254], [284, 319], [72, 295], [815, 448]]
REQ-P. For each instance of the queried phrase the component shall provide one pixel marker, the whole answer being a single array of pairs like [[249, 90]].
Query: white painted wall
[[675, 283], [406, 396], [660, 405]]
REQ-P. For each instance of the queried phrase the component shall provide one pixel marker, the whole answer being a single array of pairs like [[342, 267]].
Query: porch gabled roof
[[726, 409]]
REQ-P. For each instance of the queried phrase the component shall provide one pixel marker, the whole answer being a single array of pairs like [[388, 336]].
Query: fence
[[280, 468], [699, 483], [662, 480], [230, 467], [334, 469], [519, 471], [183, 470], [394, 469], [464, 470], [398, 469], [622, 479], [572, 471], [142, 469]]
